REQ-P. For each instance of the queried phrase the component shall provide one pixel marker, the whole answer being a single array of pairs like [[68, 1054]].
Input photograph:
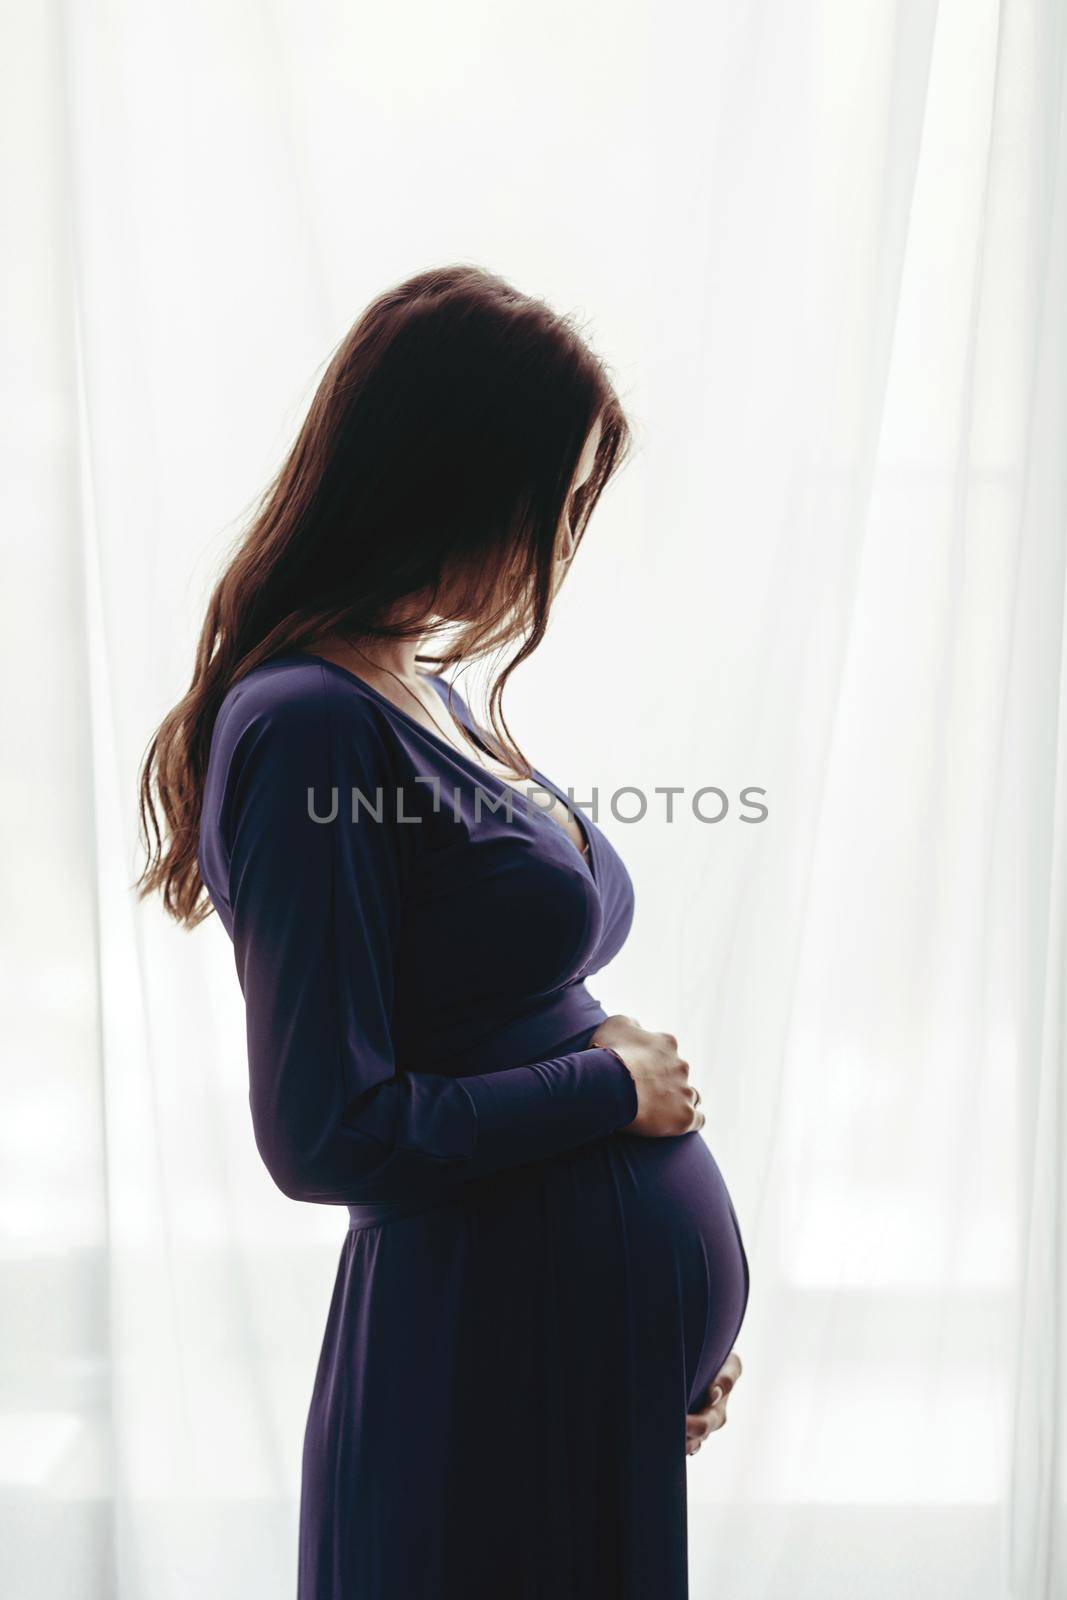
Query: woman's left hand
[[699, 1424]]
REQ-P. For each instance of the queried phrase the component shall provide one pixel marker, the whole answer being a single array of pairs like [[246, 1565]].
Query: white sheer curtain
[[823, 247]]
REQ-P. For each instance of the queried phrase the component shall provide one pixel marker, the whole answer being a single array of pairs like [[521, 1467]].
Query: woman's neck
[[397, 657]]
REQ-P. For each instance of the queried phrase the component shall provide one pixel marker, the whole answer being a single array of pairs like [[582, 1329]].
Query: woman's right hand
[[667, 1104]]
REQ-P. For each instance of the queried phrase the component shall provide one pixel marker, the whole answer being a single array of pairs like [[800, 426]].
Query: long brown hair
[[443, 440]]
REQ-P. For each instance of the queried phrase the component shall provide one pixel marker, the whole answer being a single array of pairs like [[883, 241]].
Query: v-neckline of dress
[[587, 859]]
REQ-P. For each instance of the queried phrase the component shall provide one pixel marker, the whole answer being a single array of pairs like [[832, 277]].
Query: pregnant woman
[[543, 1274]]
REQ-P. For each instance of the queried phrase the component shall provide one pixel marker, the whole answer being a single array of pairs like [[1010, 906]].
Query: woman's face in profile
[[584, 468], [454, 601]]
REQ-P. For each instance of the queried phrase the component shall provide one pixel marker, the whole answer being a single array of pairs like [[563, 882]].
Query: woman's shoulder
[[290, 687], [288, 726], [294, 703]]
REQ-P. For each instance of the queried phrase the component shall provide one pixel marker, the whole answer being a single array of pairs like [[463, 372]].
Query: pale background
[[822, 246]]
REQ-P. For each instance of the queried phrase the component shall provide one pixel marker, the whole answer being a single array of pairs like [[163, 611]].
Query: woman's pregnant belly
[[529, 1347], [523, 1356], [684, 1240], [619, 1264], [626, 1252], [625, 1243]]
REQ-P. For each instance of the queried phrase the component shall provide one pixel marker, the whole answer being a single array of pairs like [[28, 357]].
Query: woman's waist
[[659, 1191], [510, 1034], [539, 1030]]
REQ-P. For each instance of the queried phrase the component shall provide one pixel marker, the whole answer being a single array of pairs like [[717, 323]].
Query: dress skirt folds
[[529, 1298]]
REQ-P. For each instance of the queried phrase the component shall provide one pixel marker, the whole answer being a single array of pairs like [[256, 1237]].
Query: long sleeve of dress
[[315, 908]]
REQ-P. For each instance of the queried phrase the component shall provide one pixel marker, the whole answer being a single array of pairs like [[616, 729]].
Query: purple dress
[[529, 1298]]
